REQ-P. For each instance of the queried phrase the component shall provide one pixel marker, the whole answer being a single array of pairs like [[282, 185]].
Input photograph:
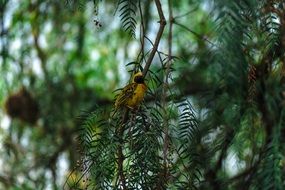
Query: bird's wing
[[126, 93]]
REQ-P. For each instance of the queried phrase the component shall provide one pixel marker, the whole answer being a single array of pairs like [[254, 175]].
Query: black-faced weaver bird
[[132, 94]]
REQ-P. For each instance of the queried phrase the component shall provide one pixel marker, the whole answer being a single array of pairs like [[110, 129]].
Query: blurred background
[[62, 58], [59, 58], [55, 63]]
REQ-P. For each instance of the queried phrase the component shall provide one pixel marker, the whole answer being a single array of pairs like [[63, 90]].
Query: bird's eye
[[139, 79]]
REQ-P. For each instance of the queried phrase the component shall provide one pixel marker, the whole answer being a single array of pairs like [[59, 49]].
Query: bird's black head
[[139, 79]]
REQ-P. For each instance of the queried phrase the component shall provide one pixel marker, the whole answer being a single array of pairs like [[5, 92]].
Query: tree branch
[[120, 154], [162, 22]]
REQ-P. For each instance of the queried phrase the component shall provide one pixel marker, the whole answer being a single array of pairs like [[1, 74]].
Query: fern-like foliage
[[270, 174], [131, 154], [127, 10], [98, 147], [249, 36], [188, 150]]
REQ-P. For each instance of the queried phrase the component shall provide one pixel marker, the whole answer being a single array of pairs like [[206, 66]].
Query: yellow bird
[[132, 94]]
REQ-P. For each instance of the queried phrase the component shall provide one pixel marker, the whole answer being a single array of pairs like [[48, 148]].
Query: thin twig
[[149, 40], [195, 33], [162, 23], [187, 13]]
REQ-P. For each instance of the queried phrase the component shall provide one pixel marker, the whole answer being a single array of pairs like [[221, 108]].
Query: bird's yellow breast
[[137, 96]]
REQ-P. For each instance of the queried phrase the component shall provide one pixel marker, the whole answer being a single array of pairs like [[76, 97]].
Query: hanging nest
[[23, 106]]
